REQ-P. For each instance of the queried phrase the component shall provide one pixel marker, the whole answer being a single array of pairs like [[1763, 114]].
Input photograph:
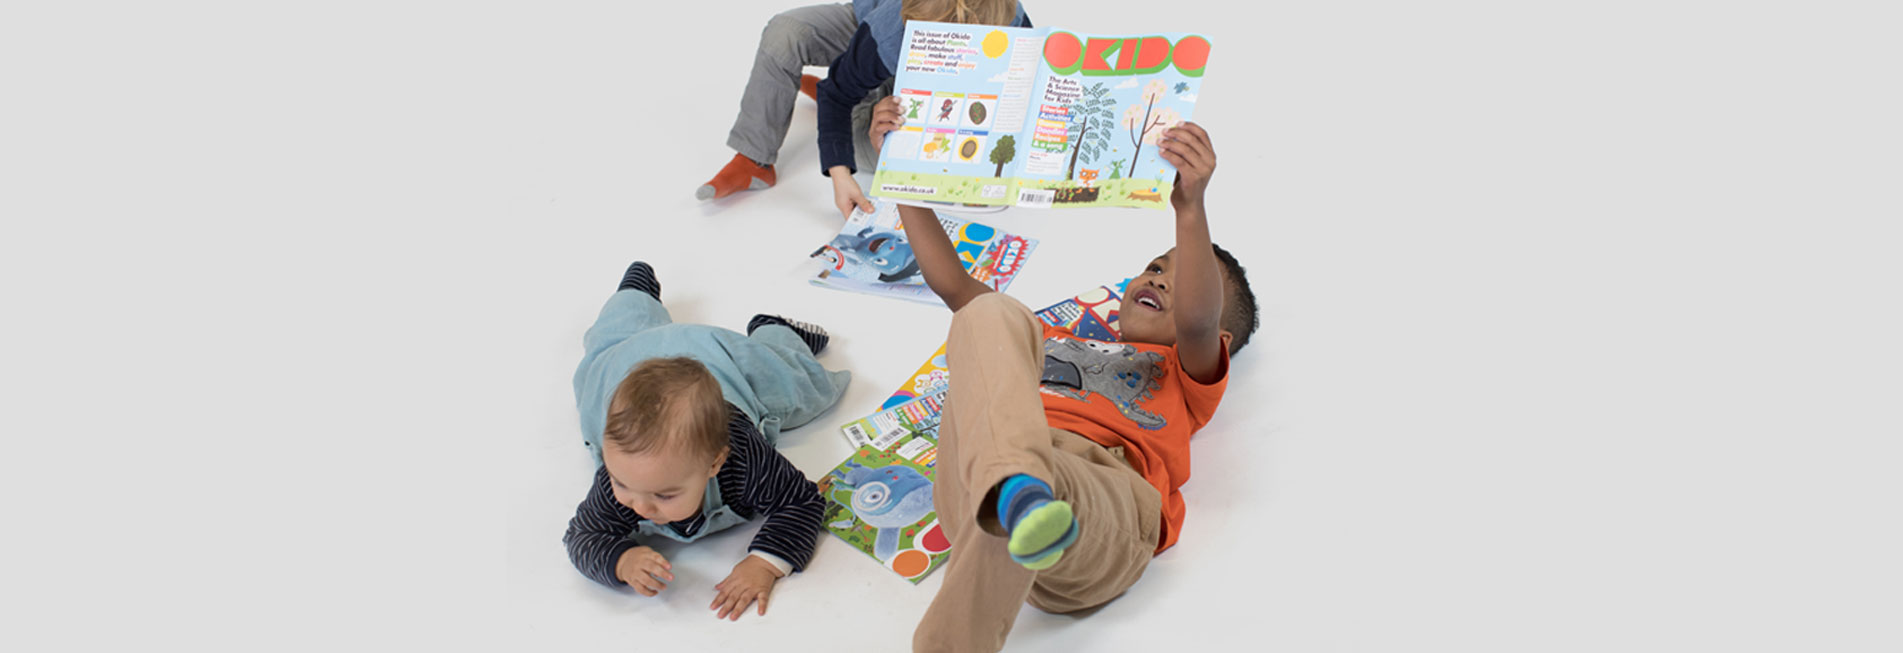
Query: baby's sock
[[640, 277], [813, 335], [1040, 526], [809, 86], [740, 173]]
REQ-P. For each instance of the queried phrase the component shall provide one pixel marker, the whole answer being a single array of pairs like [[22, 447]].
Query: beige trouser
[[994, 427]]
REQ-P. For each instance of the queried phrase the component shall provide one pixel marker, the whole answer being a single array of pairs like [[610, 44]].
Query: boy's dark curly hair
[[1239, 316]]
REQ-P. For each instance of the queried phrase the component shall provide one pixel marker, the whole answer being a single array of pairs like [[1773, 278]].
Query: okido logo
[[1011, 257]]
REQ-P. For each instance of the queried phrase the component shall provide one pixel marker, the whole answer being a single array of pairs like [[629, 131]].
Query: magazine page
[[930, 378], [916, 415], [965, 92], [1090, 314], [879, 501], [872, 255], [870, 247], [1102, 104]]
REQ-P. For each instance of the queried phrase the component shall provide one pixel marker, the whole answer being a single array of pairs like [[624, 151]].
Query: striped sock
[[1040, 526], [640, 277], [812, 334]]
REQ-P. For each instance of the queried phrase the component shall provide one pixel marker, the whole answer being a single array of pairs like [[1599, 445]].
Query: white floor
[[1578, 326]]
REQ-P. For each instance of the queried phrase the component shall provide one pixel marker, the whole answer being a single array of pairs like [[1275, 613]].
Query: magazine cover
[[872, 255], [1090, 314], [930, 378], [880, 501], [1039, 117]]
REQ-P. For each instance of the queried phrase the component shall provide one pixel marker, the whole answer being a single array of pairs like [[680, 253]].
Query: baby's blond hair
[[668, 404]]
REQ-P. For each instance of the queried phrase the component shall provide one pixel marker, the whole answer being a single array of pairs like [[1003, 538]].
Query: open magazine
[[872, 255], [1008, 116], [880, 499]]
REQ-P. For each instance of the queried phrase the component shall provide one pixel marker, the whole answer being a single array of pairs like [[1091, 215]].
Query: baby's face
[[664, 486]]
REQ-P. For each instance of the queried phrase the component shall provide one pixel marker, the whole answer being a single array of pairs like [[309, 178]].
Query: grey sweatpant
[[806, 36]]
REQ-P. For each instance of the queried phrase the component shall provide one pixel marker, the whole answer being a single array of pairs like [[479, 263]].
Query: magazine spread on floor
[[879, 501], [872, 255]]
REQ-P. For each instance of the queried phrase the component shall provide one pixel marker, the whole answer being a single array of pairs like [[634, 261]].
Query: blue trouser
[[770, 375]]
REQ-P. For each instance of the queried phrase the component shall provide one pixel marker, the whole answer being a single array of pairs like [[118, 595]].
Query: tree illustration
[[1003, 152], [1091, 116], [1146, 122], [1116, 169]]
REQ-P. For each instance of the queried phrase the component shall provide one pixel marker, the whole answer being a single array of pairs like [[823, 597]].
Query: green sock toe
[[1042, 527]]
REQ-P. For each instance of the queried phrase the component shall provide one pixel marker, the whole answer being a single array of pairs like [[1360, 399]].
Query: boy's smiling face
[[1147, 312], [664, 486]]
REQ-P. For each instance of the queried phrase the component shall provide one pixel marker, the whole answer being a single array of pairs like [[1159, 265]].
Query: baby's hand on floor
[[751, 580], [644, 570]]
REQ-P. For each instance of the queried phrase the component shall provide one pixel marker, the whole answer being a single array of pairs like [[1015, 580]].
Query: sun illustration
[[995, 43]]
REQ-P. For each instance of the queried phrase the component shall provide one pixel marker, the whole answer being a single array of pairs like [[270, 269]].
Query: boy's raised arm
[[937, 260], [1198, 292]]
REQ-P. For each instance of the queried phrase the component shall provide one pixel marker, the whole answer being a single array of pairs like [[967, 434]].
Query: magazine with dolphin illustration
[[872, 255], [879, 501]]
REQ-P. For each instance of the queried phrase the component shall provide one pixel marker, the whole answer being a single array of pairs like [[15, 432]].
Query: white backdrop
[[1579, 324]]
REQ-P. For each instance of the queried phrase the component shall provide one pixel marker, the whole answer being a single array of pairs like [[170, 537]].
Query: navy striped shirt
[[756, 480]]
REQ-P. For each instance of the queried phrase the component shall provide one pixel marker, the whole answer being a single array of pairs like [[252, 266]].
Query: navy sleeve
[[760, 481], [855, 73], [600, 532]]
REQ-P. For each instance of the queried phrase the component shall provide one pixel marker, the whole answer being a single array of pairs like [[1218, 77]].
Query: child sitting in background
[[681, 419], [1061, 459], [792, 40], [864, 72], [860, 41]]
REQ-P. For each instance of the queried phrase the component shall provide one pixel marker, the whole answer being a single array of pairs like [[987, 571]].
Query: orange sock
[[739, 174], [809, 85]]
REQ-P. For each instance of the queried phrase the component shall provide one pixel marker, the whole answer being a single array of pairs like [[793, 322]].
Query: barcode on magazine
[[1029, 197], [889, 429], [913, 449], [857, 435]]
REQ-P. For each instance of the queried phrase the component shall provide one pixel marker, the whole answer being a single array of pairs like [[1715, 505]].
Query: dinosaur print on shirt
[[1078, 368]]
